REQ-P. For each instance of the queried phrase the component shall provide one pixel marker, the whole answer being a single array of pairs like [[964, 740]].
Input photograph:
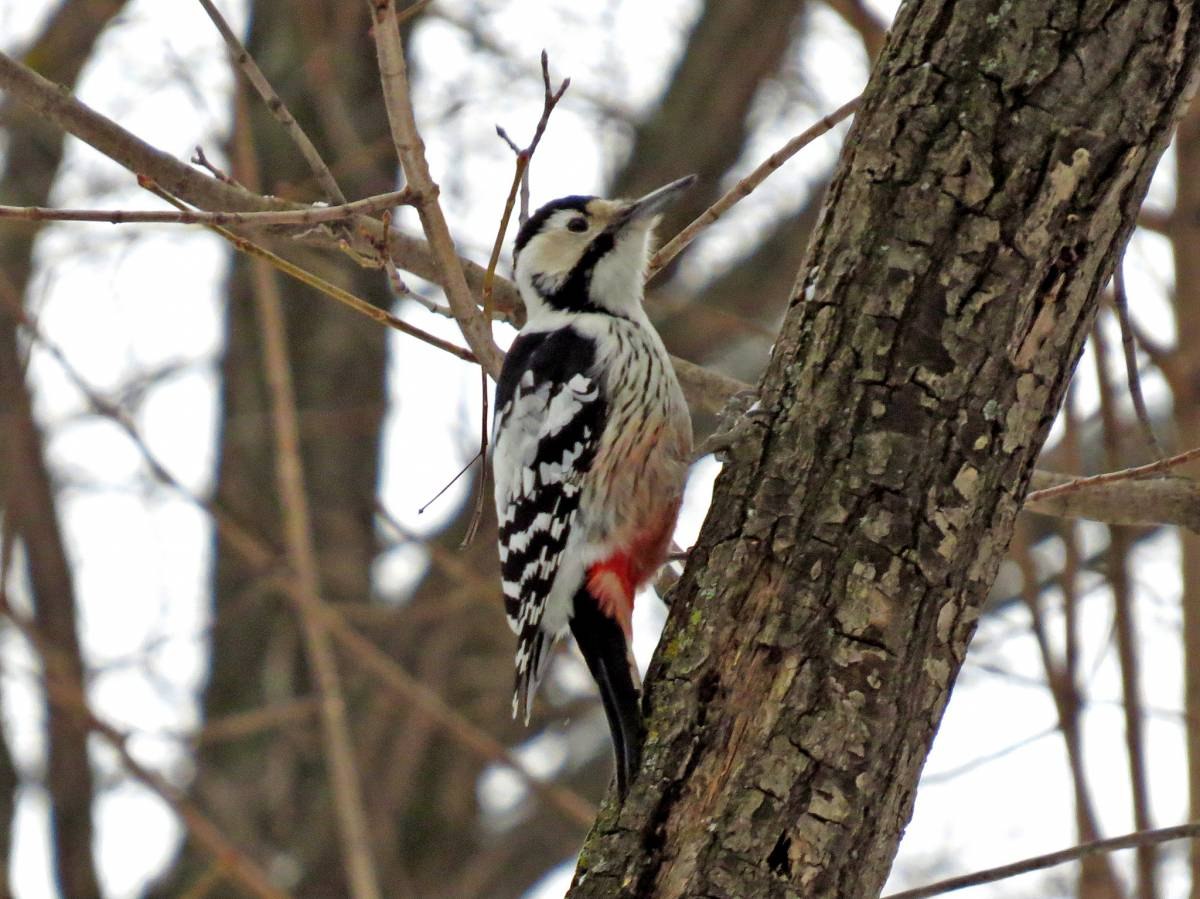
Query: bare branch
[[1121, 304], [274, 103], [706, 390], [328, 288], [1148, 503], [344, 781], [862, 19], [58, 105], [1050, 860], [312, 215], [1126, 474], [746, 186], [411, 152], [1124, 618], [185, 182], [481, 486], [550, 99], [199, 158]]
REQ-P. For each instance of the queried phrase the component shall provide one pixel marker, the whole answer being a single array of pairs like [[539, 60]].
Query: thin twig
[[1050, 860], [344, 781], [200, 159], [1121, 304], [1125, 474], [746, 186], [550, 98], [401, 290], [450, 483], [410, 150], [489, 278], [974, 764], [512, 144], [313, 215], [1149, 502], [326, 287], [1064, 692], [481, 492], [277, 107], [523, 213], [1126, 627]]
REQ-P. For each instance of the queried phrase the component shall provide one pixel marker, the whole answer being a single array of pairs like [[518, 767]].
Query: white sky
[[121, 302]]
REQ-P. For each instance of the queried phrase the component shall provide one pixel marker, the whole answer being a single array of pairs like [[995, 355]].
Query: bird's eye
[[577, 224]]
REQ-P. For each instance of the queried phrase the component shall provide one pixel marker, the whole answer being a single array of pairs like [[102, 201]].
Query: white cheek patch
[[620, 274], [547, 260]]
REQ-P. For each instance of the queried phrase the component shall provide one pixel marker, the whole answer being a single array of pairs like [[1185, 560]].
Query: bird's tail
[[602, 641]]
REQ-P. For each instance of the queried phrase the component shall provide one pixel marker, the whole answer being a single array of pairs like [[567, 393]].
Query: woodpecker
[[592, 444]]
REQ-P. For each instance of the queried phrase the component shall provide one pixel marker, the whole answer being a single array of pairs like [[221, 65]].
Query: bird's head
[[585, 254]]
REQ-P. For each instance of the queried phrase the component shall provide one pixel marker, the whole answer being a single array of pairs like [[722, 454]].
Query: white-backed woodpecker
[[592, 444]]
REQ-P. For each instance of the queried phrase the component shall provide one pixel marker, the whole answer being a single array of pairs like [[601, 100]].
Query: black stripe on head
[[538, 219], [574, 295]]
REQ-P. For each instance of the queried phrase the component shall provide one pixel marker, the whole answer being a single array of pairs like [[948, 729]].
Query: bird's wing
[[549, 418]]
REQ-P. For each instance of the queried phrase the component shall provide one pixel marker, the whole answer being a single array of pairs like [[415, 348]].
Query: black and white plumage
[[592, 444]]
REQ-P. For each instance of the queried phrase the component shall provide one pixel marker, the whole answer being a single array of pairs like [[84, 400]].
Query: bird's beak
[[656, 201]]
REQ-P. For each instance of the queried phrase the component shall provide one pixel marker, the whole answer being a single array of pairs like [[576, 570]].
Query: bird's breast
[[643, 456]]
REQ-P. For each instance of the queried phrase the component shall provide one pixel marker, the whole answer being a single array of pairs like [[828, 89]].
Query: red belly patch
[[615, 580], [611, 582]]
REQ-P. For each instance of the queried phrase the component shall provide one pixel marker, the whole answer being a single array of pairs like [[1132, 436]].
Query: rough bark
[[992, 175], [33, 155]]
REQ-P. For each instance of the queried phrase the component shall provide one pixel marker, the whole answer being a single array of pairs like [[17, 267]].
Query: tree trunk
[[990, 180], [271, 792]]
